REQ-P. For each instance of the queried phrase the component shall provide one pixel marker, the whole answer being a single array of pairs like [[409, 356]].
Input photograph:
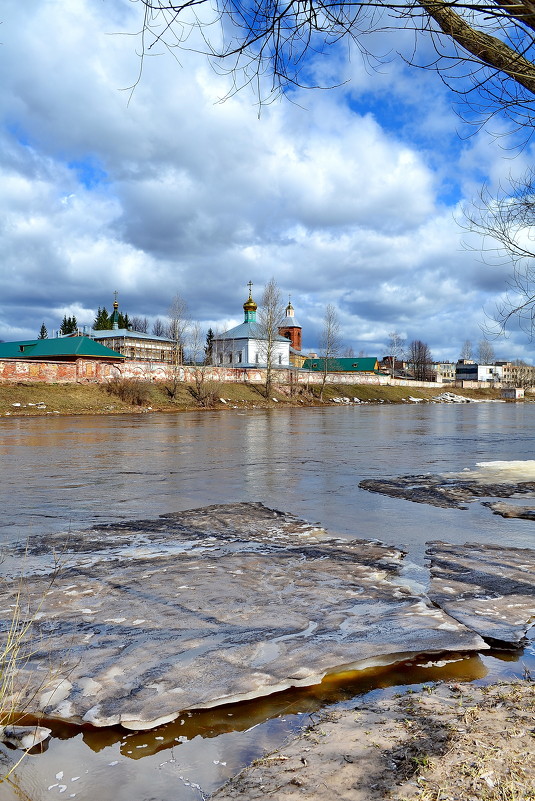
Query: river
[[63, 473]]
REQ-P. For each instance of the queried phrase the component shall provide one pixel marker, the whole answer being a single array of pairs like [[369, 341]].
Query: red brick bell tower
[[290, 328]]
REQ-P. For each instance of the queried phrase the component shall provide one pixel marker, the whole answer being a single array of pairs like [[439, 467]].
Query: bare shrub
[[130, 390]]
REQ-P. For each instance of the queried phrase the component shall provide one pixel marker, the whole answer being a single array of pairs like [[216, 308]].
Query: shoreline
[[443, 742], [136, 397]]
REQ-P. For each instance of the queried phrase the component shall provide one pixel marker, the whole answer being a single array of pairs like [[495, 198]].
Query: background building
[[246, 345]]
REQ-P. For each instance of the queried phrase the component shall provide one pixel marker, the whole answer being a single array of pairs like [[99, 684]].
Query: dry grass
[[445, 742], [490, 752], [17, 644], [131, 395]]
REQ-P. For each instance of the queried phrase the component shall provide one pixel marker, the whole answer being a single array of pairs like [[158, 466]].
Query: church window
[[280, 359], [230, 358], [239, 357], [256, 358], [220, 358]]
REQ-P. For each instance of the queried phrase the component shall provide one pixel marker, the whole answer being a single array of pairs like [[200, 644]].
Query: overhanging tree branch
[[482, 50]]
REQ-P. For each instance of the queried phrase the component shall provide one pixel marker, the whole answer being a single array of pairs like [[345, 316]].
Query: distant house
[[344, 364], [517, 375], [468, 370], [58, 349], [445, 372], [134, 344]]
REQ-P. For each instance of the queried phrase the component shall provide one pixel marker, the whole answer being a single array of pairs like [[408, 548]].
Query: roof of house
[[247, 331], [343, 364], [127, 333], [57, 348]]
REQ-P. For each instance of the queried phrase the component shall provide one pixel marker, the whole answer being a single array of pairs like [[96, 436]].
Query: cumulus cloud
[[343, 196]]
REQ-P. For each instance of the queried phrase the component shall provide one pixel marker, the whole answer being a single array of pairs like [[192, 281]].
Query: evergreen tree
[[43, 333], [102, 320], [124, 320], [209, 347], [68, 325]]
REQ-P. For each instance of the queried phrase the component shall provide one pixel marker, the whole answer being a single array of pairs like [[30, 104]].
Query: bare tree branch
[[270, 314], [506, 224], [330, 342], [483, 51]]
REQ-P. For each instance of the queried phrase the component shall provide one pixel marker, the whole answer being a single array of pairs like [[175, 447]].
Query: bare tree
[[159, 328], [270, 314], [204, 389], [420, 360], [484, 51], [485, 352], [507, 225], [396, 349], [177, 329], [523, 375], [329, 343], [467, 350], [140, 324]]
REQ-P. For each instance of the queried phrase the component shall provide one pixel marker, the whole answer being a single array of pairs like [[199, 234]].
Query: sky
[[350, 196]]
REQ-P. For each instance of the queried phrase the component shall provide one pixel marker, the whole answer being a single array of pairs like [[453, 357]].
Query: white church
[[244, 345]]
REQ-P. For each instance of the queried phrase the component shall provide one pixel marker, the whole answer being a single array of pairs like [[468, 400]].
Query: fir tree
[[102, 320], [43, 333], [69, 325], [209, 347]]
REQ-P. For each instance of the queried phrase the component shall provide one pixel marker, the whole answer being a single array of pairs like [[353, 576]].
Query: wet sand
[[447, 742]]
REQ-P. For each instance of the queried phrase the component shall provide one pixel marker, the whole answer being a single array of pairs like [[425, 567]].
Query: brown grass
[[132, 395]]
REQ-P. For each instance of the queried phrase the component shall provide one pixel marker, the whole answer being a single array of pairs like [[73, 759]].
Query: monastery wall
[[93, 371], [46, 372]]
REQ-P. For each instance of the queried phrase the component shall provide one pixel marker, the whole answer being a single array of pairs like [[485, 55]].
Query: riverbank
[[445, 742], [138, 397]]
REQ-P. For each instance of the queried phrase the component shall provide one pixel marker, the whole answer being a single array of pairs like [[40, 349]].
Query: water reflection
[[295, 702], [80, 471]]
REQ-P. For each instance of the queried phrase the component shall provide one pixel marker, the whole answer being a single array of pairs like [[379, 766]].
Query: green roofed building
[[343, 364], [67, 348]]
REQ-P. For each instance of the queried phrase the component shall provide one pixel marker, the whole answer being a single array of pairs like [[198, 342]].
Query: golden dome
[[249, 304]]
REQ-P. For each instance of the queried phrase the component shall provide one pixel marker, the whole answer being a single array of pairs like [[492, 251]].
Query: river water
[[62, 473]]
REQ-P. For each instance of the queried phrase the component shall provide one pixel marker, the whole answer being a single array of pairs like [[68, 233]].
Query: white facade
[[244, 345], [248, 351]]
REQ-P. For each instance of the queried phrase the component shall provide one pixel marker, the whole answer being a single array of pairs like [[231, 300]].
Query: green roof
[[57, 348], [343, 364]]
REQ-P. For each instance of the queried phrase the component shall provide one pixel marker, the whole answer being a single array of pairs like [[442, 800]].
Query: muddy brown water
[[60, 473]]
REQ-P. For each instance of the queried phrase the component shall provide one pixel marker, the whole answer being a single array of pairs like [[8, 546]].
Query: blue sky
[[347, 196]]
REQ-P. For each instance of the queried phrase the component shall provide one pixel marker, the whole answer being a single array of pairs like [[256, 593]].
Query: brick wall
[[32, 370], [93, 371]]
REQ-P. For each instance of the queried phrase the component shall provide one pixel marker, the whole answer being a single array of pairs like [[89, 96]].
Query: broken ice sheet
[[237, 601]]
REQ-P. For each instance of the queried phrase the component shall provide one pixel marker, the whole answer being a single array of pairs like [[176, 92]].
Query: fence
[[93, 371]]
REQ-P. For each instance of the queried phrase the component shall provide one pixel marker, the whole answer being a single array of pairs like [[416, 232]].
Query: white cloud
[[176, 192]]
